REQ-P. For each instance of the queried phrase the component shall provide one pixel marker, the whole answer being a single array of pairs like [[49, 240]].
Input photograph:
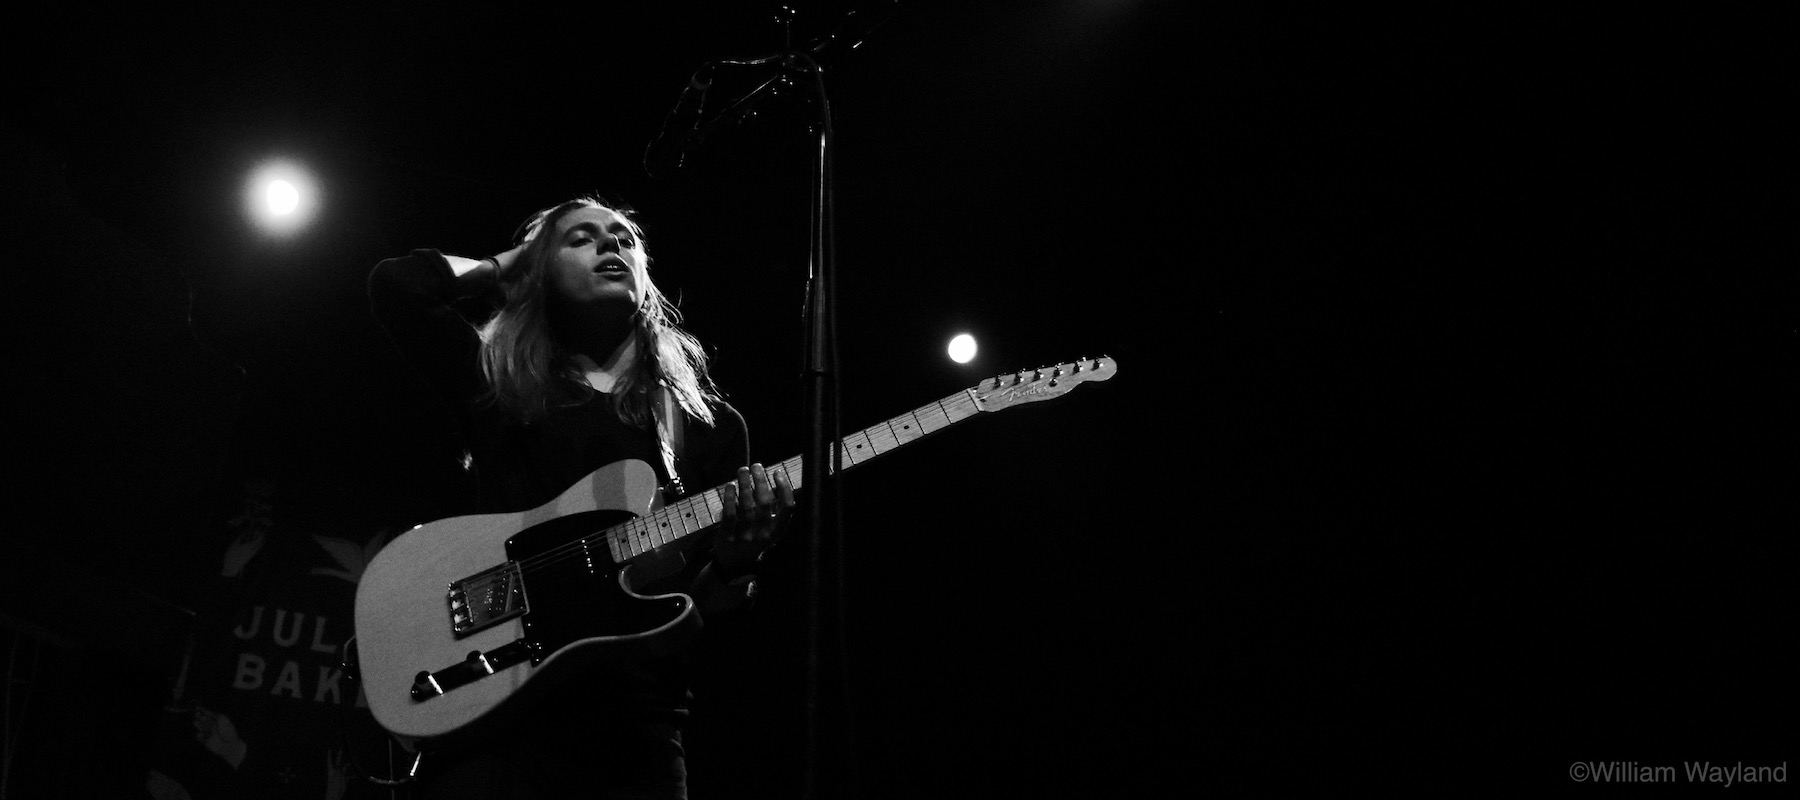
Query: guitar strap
[[670, 425]]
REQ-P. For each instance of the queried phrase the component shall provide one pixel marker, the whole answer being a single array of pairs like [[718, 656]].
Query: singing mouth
[[611, 264]]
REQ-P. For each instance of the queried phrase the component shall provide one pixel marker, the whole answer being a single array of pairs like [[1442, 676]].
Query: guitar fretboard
[[705, 509]]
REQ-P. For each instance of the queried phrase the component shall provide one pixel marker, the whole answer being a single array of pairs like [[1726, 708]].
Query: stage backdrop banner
[[265, 709]]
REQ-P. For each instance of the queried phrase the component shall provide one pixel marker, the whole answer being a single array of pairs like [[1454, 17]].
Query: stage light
[[283, 198], [280, 198], [962, 348]]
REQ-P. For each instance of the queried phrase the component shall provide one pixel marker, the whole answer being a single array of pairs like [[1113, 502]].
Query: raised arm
[[413, 298], [477, 275]]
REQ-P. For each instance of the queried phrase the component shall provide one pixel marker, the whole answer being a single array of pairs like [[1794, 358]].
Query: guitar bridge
[[486, 599]]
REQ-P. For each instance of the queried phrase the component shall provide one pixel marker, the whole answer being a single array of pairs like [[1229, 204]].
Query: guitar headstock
[[1043, 383]]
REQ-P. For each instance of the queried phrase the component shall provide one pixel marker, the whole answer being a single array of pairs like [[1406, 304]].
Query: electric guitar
[[463, 621]]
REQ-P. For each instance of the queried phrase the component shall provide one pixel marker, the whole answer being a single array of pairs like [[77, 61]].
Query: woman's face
[[596, 260]]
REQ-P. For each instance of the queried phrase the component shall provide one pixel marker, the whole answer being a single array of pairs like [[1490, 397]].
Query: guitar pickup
[[486, 599], [478, 665]]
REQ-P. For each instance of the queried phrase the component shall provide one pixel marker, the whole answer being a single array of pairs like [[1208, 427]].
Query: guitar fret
[[689, 525], [865, 440], [909, 428], [882, 438], [930, 422], [646, 538], [660, 529], [713, 506], [636, 528], [791, 470], [856, 448], [962, 407]]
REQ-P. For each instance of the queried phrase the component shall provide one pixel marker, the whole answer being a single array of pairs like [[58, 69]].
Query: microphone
[[683, 128], [667, 152]]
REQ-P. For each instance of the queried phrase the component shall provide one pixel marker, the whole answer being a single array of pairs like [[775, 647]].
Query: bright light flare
[[962, 348], [280, 198], [283, 197]]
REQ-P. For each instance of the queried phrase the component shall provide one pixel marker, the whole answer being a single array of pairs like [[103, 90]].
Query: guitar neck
[[695, 514], [703, 510]]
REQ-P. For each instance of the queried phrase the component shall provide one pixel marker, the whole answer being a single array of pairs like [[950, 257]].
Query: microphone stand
[[822, 460], [820, 377]]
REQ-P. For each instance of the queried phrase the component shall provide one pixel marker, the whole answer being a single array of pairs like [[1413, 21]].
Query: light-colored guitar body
[[559, 603]]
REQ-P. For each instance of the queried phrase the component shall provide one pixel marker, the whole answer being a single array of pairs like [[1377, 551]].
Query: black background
[[1449, 438]]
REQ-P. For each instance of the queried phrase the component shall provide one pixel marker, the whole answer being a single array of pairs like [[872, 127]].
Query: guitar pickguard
[[582, 595], [572, 584]]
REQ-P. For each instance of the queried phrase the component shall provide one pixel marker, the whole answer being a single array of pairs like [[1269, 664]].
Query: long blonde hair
[[525, 364]]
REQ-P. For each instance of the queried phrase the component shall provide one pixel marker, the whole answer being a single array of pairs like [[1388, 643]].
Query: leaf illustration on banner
[[350, 556], [252, 528], [215, 732]]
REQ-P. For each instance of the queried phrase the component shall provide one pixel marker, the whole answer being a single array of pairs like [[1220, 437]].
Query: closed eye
[[585, 233]]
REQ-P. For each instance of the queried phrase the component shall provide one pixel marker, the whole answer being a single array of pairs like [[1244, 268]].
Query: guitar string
[[965, 403], [579, 548]]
